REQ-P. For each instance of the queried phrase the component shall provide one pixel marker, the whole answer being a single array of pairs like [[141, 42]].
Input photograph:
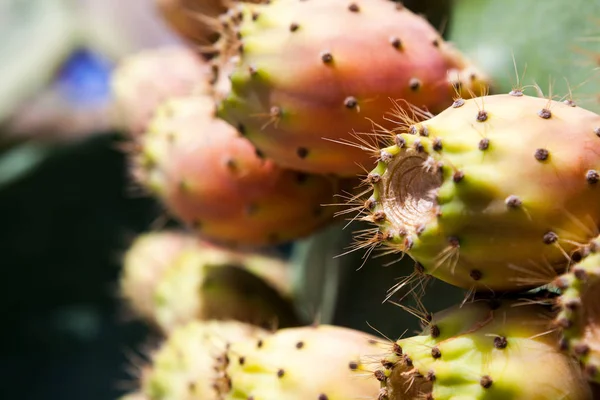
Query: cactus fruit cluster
[[257, 136], [214, 181]]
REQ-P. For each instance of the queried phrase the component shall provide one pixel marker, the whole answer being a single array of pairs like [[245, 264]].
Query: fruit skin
[[143, 80], [213, 180], [315, 362], [305, 74], [188, 365], [579, 316], [144, 264], [490, 194], [483, 350], [170, 279], [196, 21]]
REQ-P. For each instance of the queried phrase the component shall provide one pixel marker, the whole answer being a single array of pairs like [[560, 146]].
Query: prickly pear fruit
[[144, 264], [579, 305], [188, 365], [308, 74], [321, 363], [202, 281], [213, 180], [195, 20], [483, 350], [494, 193], [145, 79]]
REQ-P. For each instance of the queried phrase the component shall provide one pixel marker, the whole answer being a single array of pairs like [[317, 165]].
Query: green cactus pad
[[494, 193], [483, 350]]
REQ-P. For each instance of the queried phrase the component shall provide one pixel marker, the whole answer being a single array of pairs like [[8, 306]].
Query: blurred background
[[67, 209]]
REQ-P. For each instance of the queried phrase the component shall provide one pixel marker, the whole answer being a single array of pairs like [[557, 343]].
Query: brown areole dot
[[326, 57], [434, 330], [379, 216], [475, 274], [379, 375], [294, 27], [484, 144], [482, 116], [242, 360], [419, 146], [299, 345], [486, 381], [373, 178], [500, 342], [350, 102], [512, 201], [541, 154], [353, 365], [414, 84], [516, 93], [437, 144], [354, 7], [597, 131], [550, 237], [573, 304], [458, 176], [400, 141], [396, 42], [430, 377], [435, 352], [397, 349], [323, 396], [302, 152], [280, 373], [592, 176], [580, 273], [458, 103], [544, 113]]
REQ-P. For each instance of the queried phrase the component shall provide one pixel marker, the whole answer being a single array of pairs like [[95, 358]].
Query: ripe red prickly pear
[[494, 193], [214, 180], [170, 279], [144, 80], [320, 363], [579, 305], [189, 364], [483, 350], [307, 74]]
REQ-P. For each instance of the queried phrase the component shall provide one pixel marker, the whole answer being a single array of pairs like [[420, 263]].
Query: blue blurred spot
[[84, 78]]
